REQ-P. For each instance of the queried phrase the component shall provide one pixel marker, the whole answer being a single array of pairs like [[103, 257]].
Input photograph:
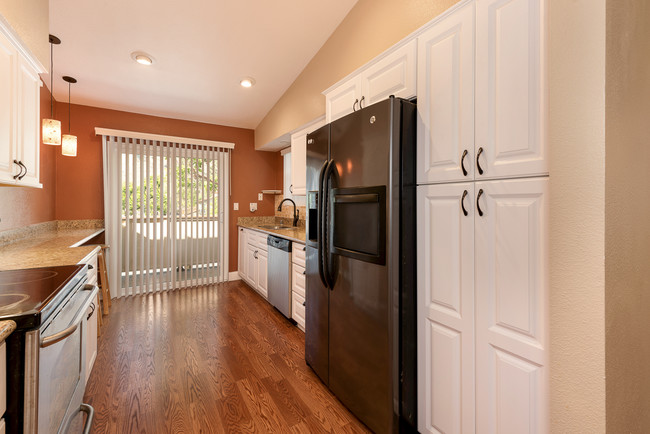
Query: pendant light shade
[[69, 147], [51, 127], [51, 132], [69, 141]]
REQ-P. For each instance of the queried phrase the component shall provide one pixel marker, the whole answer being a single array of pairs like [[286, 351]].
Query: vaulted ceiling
[[201, 51]]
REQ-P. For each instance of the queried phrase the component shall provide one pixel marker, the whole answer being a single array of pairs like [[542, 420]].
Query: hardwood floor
[[207, 360]]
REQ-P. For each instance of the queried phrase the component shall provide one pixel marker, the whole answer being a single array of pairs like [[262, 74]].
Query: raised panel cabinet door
[[445, 313], [8, 58], [251, 265], [511, 100], [445, 92], [395, 75], [511, 286], [262, 270], [299, 163], [242, 253], [28, 145], [341, 100]]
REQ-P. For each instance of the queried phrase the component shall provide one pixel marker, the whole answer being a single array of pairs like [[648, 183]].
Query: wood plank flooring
[[214, 359]]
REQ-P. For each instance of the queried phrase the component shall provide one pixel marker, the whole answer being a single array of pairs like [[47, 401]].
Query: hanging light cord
[[51, 83], [69, 104]]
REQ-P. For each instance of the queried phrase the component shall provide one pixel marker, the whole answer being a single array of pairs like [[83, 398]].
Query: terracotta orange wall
[[22, 206], [79, 185]]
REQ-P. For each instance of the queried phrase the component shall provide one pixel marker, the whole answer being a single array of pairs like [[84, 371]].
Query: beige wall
[[30, 19], [371, 27], [576, 73], [627, 216]]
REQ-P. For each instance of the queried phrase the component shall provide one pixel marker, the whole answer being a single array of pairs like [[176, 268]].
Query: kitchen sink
[[275, 227]]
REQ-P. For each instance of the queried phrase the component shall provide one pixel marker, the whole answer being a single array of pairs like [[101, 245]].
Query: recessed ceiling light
[[142, 58], [247, 82]]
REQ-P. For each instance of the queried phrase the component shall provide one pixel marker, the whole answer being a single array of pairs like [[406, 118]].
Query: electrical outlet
[[253, 206], [235, 206], [260, 196]]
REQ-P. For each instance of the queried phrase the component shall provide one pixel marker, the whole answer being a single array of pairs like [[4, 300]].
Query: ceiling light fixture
[[142, 58], [247, 82], [69, 141], [51, 127]]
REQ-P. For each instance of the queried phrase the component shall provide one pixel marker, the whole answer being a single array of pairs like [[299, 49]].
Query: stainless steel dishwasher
[[279, 274]]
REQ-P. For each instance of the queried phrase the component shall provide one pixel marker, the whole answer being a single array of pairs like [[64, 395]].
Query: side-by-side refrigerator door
[[317, 294]]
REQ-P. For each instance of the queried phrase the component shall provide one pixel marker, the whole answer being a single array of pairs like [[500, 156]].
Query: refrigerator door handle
[[320, 218], [325, 240]]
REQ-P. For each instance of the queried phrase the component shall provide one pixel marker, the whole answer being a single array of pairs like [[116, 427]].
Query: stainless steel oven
[[55, 366], [46, 367]]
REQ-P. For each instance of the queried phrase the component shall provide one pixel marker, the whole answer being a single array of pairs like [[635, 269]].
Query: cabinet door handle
[[354, 106], [462, 163], [478, 205], [16, 162], [291, 189], [478, 164], [303, 271], [303, 303], [462, 202], [25, 172], [361, 102], [255, 254], [304, 248]]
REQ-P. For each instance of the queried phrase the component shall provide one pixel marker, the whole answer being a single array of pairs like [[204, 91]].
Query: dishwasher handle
[[279, 243]]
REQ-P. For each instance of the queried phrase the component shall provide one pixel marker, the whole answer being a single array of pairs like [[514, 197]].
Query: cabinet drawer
[[3, 379], [298, 254], [298, 279], [298, 309]]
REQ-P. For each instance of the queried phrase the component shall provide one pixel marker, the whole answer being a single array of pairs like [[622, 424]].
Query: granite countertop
[[51, 248], [296, 234], [6, 327]]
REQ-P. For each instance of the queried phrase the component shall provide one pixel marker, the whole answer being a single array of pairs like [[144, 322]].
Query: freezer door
[[362, 363], [317, 295], [316, 318]]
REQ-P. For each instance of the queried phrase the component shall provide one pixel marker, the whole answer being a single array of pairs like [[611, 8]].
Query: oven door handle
[[58, 337]]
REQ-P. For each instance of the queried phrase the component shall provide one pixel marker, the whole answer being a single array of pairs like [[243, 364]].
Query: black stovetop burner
[[25, 295]]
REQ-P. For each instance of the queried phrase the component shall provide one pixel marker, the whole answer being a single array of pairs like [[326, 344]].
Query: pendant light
[[52, 127], [69, 141]]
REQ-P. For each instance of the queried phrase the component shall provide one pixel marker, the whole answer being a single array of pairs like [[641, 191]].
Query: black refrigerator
[[360, 331]]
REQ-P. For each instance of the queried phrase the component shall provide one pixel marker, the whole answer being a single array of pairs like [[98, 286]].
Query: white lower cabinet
[[253, 260], [298, 285], [483, 306]]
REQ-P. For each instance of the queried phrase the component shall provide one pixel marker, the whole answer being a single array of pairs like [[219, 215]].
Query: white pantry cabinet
[[446, 307], [19, 112], [483, 306], [511, 290], [482, 93], [392, 73]]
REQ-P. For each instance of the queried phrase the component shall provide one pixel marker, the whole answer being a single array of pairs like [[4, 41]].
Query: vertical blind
[[166, 211]]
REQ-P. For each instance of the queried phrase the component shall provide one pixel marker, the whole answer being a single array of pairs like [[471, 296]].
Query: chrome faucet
[[295, 210]]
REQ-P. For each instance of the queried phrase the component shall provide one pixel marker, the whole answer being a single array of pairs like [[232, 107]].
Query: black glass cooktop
[[27, 295]]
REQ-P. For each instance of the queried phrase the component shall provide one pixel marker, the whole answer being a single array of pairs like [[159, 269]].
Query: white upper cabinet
[[394, 73], [446, 99], [299, 157], [8, 56], [510, 88], [19, 112], [482, 93]]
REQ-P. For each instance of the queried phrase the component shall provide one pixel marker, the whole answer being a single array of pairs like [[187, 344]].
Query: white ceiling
[[202, 48]]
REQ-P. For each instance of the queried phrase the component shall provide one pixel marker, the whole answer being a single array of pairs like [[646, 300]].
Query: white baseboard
[[233, 275]]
